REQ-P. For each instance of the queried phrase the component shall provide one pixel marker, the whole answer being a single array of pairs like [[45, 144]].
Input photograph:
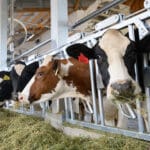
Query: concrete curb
[[56, 120]]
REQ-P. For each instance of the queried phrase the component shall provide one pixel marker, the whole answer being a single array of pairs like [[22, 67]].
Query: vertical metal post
[[32, 109], [66, 109], [91, 66], [100, 97], [71, 108], [59, 23], [147, 90], [11, 46], [3, 33], [45, 106], [138, 104]]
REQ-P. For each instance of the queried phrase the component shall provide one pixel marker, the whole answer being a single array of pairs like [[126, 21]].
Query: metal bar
[[134, 134], [91, 66], [147, 91], [3, 33], [66, 108], [36, 113], [12, 25], [32, 49], [100, 98], [71, 108], [138, 104], [31, 109], [120, 25], [135, 13], [97, 12]]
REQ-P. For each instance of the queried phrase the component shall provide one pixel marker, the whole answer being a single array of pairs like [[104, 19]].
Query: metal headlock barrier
[[137, 19]]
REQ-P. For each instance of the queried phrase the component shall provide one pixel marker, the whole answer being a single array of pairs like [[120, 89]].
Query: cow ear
[[56, 66]]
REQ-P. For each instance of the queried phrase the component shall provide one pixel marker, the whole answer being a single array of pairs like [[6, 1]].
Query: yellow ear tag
[[6, 77]]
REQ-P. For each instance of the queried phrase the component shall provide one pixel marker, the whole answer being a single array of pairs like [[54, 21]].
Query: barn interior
[[32, 21], [32, 29]]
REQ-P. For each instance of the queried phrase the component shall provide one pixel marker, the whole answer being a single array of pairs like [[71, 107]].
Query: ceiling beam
[[33, 10]]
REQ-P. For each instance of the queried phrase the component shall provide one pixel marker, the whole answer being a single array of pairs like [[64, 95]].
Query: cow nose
[[123, 87]]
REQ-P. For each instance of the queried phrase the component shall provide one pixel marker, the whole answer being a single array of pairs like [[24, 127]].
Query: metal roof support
[[3, 33], [59, 22], [59, 27]]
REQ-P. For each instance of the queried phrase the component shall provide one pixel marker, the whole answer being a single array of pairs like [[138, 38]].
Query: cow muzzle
[[22, 98], [123, 90]]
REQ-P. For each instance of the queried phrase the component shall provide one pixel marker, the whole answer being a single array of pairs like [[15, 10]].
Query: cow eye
[[40, 74]]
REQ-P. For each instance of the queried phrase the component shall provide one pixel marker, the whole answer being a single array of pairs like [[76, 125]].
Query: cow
[[26, 75], [134, 52], [15, 80], [9, 81], [15, 73], [66, 73], [116, 64], [5, 87]]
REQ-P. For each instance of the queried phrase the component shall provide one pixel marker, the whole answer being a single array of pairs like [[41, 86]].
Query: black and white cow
[[15, 74], [116, 58], [15, 80]]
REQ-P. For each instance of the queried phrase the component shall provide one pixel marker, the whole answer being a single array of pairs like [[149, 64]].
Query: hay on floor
[[30, 133]]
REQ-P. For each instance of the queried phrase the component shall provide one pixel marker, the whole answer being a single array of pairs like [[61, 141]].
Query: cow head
[[26, 75], [45, 80], [121, 57], [116, 58]]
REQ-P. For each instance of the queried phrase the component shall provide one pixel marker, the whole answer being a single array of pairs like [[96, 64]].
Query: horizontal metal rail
[[121, 25], [31, 50], [133, 134]]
